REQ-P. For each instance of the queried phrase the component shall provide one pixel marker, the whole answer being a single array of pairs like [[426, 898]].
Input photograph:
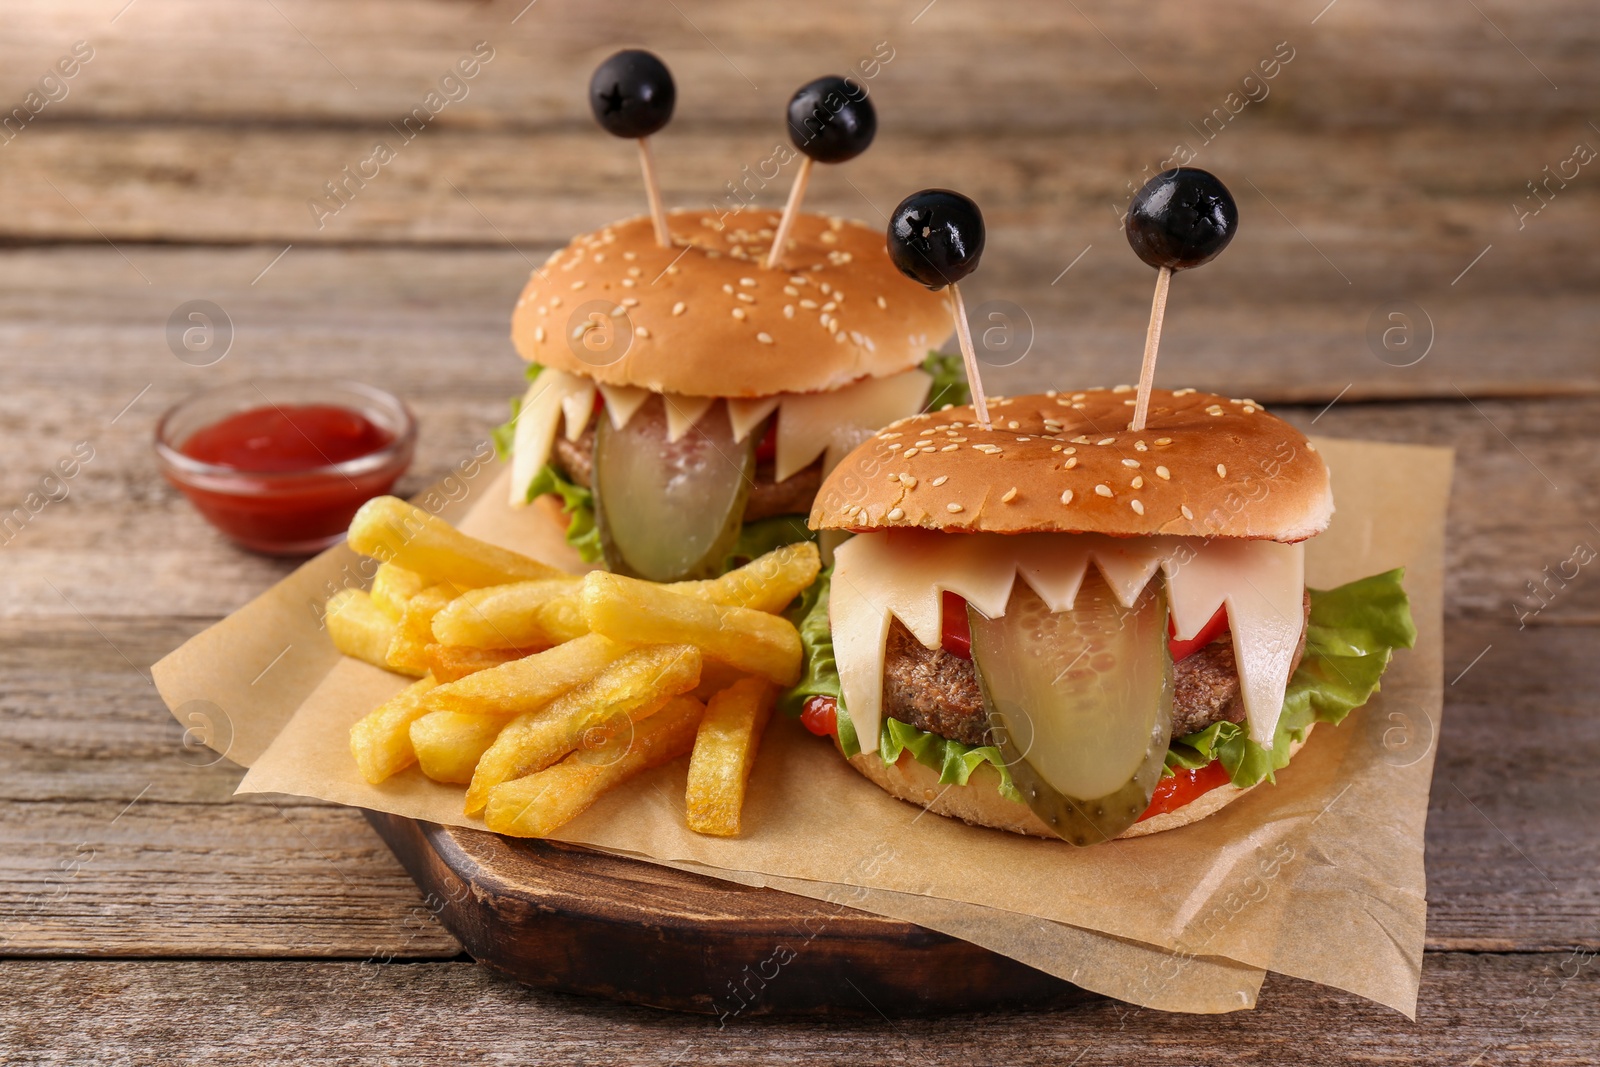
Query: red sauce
[[278, 502], [820, 715], [281, 439], [1174, 792]]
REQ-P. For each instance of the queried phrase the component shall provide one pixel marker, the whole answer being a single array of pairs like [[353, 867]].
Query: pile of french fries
[[539, 690]]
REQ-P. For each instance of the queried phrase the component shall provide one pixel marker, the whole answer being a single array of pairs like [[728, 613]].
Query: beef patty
[[768, 496], [937, 691]]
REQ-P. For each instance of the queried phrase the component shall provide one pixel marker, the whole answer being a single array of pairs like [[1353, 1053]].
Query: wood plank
[[1513, 863], [1044, 66], [1542, 1009]]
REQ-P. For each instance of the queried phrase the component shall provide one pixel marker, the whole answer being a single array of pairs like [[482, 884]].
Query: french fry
[[392, 586], [551, 611], [381, 742], [714, 678], [530, 683], [539, 804], [632, 688], [724, 751], [359, 629], [545, 612], [451, 663], [449, 743], [408, 649], [751, 641], [392, 531], [767, 583]]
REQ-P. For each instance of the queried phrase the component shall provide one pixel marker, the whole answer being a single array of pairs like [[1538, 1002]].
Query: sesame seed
[[1163, 440], [555, 301], [640, 331], [952, 508], [1102, 490], [630, 256], [883, 303], [746, 297], [1010, 495], [927, 432], [1066, 496], [1055, 448], [679, 308], [1106, 441], [1222, 472], [1122, 388], [1069, 451], [1186, 512], [599, 257], [839, 337], [1138, 482], [764, 337], [896, 514], [1140, 446], [941, 479], [1070, 463], [1138, 508], [748, 282], [1310, 447], [788, 311], [809, 304], [949, 448], [1130, 463], [739, 314], [538, 334], [1024, 438], [630, 301], [1013, 425], [673, 268], [896, 445], [1079, 396], [628, 283], [578, 284], [797, 279], [1164, 474], [634, 272], [832, 305]]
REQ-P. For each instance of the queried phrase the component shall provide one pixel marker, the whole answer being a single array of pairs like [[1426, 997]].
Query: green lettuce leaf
[[762, 536], [577, 502], [1351, 634], [949, 380]]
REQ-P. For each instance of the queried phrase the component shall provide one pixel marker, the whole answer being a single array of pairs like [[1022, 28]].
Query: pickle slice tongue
[[670, 510], [1080, 703]]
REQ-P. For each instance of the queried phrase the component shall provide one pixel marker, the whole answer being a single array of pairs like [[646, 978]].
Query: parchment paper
[[1319, 876]]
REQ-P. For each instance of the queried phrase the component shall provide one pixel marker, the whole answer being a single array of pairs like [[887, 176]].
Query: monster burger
[[1068, 628]]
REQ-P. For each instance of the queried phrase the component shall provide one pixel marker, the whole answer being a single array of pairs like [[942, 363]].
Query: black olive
[[632, 94], [936, 237], [1181, 218], [831, 119]]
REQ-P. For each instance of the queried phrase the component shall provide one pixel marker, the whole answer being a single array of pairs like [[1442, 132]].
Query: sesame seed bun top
[[1204, 465], [706, 318]]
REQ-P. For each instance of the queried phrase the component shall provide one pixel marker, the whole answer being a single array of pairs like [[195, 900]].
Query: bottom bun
[[979, 801]]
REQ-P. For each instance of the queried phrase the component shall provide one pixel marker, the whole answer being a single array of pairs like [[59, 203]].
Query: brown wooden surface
[[145, 916]]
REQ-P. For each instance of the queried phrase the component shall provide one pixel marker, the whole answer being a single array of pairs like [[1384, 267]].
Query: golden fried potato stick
[[539, 804], [381, 742], [392, 586], [529, 683], [392, 531], [767, 583], [450, 743], [408, 649], [643, 613], [359, 629], [451, 663], [545, 612], [633, 688], [724, 751], [552, 611]]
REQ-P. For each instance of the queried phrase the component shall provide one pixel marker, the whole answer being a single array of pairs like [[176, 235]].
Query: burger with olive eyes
[[1067, 628], [686, 401]]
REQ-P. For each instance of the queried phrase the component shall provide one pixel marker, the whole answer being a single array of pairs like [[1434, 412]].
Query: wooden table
[[146, 916]]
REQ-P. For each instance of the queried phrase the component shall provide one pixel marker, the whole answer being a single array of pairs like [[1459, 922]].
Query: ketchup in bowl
[[280, 467]]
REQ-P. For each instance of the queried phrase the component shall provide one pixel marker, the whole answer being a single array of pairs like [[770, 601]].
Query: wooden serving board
[[566, 918]]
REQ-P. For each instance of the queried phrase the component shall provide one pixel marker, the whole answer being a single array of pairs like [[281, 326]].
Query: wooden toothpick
[[652, 190], [1152, 341], [791, 211], [980, 403]]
